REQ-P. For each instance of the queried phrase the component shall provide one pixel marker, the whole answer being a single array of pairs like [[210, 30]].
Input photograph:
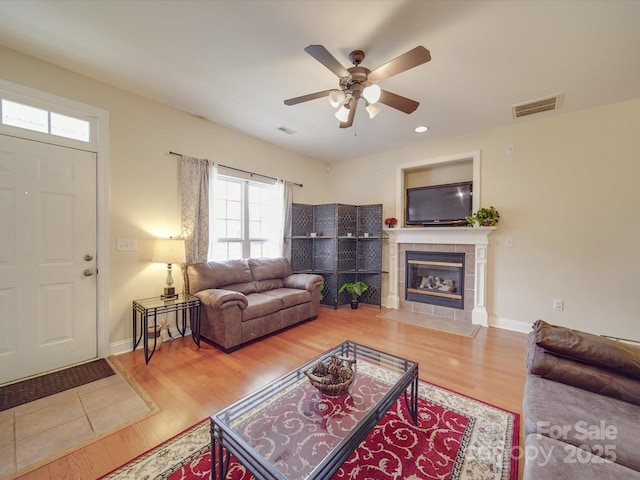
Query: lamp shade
[[372, 93], [169, 251], [337, 98], [342, 114], [372, 109]]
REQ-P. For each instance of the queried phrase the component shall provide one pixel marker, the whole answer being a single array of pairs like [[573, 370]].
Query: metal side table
[[148, 309]]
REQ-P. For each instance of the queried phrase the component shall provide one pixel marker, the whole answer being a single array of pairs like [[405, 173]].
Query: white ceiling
[[234, 62]]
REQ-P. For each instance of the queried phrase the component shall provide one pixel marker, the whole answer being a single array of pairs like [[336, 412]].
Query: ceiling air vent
[[286, 130], [536, 106]]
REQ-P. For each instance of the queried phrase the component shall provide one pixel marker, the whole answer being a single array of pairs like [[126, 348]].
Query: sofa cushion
[[260, 305], [550, 459], [584, 419], [268, 268], [290, 296], [582, 375], [203, 276], [271, 284], [588, 348]]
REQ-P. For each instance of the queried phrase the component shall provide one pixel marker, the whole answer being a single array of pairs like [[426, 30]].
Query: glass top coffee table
[[290, 430]]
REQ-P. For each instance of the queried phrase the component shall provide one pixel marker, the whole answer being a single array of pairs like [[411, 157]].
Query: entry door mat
[[36, 388], [457, 438], [457, 327]]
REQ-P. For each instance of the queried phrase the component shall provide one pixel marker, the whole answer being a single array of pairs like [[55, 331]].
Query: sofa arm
[[220, 298], [303, 281]]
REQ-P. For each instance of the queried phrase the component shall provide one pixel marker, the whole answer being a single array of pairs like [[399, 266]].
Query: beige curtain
[[195, 207], [286, 216]]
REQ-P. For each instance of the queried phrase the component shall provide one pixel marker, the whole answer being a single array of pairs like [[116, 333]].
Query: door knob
[[88, 257], [88, 272]]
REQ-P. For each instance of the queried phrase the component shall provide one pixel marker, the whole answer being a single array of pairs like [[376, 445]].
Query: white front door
[[48, 272]]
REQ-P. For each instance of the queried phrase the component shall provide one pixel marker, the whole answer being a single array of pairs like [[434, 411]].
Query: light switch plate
[[126, 245]]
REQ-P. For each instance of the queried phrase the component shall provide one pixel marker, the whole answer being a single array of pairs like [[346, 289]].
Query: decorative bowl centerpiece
[[333, 378]]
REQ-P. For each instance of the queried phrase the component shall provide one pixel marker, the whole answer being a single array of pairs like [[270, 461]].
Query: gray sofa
[[245, 299], [581, 406]]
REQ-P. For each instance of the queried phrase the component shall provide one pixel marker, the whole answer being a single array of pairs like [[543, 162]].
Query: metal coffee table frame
[[225, 441]]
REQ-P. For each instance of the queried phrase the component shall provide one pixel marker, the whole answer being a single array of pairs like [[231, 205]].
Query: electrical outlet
[[126, 245], [558, 304]]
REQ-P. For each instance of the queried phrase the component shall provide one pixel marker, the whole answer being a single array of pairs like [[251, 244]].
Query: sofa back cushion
[[203, 276], [588, 348], [269, 268], [266, 285]]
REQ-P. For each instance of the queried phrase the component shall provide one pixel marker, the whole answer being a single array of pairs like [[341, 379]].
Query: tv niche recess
[[440, 205]]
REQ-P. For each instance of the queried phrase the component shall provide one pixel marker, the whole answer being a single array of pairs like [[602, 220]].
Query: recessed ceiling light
[[421, 129]]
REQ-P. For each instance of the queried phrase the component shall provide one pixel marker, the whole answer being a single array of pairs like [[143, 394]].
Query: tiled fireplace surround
[[473, 242]]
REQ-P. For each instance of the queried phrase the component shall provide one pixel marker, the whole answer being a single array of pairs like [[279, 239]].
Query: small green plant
[[355, 289], [485, 217]]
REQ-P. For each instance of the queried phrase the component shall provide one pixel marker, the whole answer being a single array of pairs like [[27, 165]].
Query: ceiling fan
[[359, 82]]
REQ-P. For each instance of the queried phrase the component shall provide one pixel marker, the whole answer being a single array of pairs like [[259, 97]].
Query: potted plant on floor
[[355, 289]]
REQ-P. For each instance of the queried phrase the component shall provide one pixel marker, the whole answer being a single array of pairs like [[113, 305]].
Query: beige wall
[[143, 180], [439, 174], [568, 198]]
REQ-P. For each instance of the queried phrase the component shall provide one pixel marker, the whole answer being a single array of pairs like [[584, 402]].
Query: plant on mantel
[[485, 217]]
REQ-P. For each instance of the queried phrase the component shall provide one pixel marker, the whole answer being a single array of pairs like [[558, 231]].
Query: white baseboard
[[124, 346], [509, 324]]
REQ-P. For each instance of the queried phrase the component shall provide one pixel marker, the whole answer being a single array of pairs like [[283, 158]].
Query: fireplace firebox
[[436, 278]]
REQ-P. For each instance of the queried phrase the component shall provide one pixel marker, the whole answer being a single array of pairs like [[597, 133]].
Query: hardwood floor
[[189, 384]]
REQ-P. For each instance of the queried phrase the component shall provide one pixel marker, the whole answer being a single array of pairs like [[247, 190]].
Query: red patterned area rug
[[456, 438]]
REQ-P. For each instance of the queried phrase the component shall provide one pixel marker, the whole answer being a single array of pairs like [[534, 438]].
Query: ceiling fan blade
[[353, 103], [322, 55], [412, 58], [398, 102], [306, 98]]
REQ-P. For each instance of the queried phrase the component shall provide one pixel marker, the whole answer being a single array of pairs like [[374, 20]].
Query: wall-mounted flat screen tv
[[439, 205]]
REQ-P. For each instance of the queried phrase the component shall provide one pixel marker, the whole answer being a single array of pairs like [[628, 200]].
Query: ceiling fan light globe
[[342, 114], [372, 93], [337, 98], [372, 110]]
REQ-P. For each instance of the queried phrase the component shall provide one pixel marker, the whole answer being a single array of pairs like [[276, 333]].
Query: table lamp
[[169, 251]]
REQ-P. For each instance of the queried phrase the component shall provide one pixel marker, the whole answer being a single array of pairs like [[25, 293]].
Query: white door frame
[[100, 121]]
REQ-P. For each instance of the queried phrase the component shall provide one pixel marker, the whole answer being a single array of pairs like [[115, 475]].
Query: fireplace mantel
[[477, 236]]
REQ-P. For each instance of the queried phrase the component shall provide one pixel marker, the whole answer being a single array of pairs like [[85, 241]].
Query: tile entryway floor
[[45, 428], [438, 323]]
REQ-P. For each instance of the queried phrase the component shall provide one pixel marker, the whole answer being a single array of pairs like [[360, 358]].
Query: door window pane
[[40, 120], [70, 127], [25, 116]]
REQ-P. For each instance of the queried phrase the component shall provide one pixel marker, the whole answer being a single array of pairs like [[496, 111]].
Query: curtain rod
[[240, 170]]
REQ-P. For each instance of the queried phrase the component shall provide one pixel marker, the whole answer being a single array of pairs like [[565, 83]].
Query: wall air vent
[[286, 130], [536, 106]]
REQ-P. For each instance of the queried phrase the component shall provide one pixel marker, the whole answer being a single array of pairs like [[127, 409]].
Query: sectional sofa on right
[[581, 406]]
